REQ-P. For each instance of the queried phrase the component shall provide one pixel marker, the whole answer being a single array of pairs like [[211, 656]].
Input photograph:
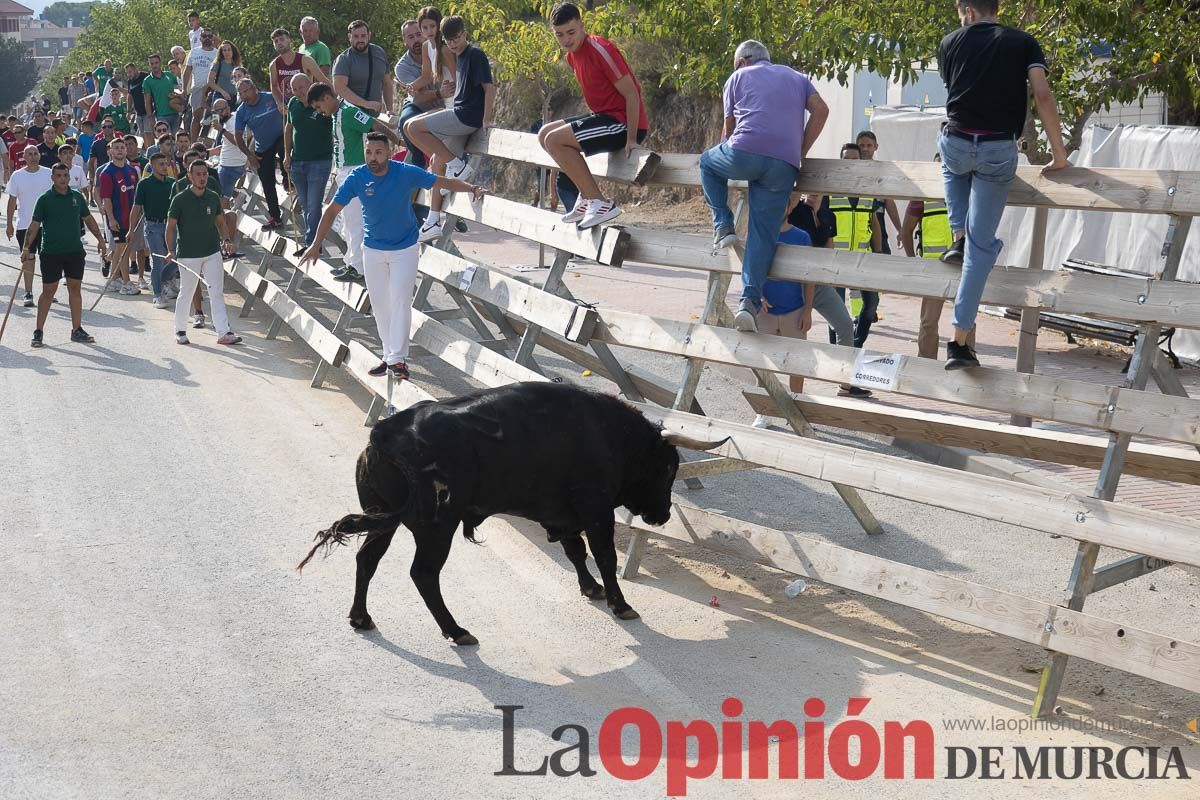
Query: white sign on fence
[[876, 370]]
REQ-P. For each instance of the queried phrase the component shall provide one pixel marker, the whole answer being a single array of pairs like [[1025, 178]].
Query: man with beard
[[420, 98], [286, 65], [360, 75]]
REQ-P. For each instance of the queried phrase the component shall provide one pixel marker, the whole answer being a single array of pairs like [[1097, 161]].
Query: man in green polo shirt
[[197, 238], [56, 217], [313, 47], [103, 74], [157, 88], [152, 200], [307, 150]]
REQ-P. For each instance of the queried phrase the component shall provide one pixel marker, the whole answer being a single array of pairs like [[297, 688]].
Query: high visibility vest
[[936, 236], [853, 224]]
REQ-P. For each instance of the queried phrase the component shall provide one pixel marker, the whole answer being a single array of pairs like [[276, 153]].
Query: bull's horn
[[679, 440]]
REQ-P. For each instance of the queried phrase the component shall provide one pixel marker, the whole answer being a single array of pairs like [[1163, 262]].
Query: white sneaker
[[142, 284], [198, 321], [160, 301], [599, 211], [181, 337], [116, 287], [576, 213], [761, 421], [429, 231], [744, 321], [130, 288], [458, 169]]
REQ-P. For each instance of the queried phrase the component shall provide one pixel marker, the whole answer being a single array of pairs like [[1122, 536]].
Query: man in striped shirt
[[613, 96]]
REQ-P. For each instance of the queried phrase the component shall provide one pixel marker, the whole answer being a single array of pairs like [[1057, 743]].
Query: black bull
[[552, 453]]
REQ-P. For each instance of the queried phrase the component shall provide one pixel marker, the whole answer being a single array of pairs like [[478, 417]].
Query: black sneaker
[[400, 371], [104, 269], [337, 271], [271, 224], [461, 226], [350, 274], [80, 335], [380, 369], [37, 339], [854, 391], [954, 254], [28, 300], [959, 356], [299, 251]]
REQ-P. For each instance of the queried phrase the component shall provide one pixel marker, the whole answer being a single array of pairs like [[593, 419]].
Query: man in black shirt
[[986, 67], [48, 149]]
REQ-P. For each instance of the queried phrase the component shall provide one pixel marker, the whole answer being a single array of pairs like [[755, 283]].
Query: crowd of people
[[128, 142]]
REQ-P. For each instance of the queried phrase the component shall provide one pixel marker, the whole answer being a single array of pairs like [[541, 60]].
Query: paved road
[[156, 642]]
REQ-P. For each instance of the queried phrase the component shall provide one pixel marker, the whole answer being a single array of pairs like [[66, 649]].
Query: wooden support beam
[[1026, 619], [1061, 447], [471, 358], [705, 467], [524, 147], [1028, 335], [305, 326], [1107, 407]]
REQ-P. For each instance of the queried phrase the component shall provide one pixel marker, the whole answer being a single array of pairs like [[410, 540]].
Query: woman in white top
[[435, 52]]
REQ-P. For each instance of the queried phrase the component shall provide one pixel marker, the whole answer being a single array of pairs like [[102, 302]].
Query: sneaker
[[160, 301], [104, 269], [460, 169], [116, 287], [430, 231], [299, 251], [576, 213], [954, 254], [347, 275], [723, 238], [744, 320], [28, 300], [37, 339], [853, 391], [181, 337], [960, 356], [143, 284], [230, 338], [761, 421], [460, 225], [80, 335], [400, 371], [271, 224], [599, 211], [198, 321], [131, 288], [380, 369]]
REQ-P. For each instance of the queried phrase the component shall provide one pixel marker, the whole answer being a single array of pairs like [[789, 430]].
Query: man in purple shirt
[[766, 135]]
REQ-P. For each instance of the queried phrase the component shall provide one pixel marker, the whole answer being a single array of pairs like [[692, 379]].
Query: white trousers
[[391, 276], [212, 270], [352, 225]]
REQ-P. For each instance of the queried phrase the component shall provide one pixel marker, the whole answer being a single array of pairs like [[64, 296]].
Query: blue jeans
[[310, 179], [230, 176], [977, 177], [156, 240], [172, 121], [864, 320], [415, 156], [771, 181]]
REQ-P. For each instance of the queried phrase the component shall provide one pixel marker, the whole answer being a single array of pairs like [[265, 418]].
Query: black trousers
[[268, 160]]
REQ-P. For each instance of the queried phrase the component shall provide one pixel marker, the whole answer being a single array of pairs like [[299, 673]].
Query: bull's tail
[[351, 524]]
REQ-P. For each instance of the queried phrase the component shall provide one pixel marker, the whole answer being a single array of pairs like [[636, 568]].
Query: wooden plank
[[349, 292], [524, 147], [1102, 641], [304, 325], [1070, 514], [1171, 303], [1028, 334], [711, 466], [563, 317], [1112, 408], [1087, 189], [1148, 460], [478, 362], [541, 226]]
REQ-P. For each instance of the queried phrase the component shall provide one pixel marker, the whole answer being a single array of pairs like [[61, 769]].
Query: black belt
[[978, 137], [152, 219]]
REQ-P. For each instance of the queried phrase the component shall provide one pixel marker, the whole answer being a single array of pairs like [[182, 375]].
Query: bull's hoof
[[463, 639], [363, 623], [595, 592], [626, 613]]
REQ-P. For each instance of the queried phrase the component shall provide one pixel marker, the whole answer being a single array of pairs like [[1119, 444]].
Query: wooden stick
[[13, 297]]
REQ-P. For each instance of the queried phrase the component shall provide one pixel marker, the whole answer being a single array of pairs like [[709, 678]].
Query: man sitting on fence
[[384, 189], [986, 67], [766, 135], [613, 97]]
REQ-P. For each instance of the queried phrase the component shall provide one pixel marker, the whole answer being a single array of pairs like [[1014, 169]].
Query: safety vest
[[936, 236], [853, 224]]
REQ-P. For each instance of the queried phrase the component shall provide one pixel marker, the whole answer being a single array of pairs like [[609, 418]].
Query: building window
[[66, 44], [45, 44]]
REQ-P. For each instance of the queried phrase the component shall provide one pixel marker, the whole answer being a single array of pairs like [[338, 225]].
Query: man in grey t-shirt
[[360, 74], [420, 98]]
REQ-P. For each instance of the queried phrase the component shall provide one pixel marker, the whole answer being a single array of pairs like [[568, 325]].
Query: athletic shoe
[[230, 338], [104, 269], [271, 224], [960, 356], [181, 337], [143, 284], [399, 371], [28, 300], [429, 231], [379, 369], [299, 251], [80, 335], [954, 253], [336, 271], [160, 301], [599, 211], [761, 421], [458, 169], [116, 287], [130, 288], [853, 391], [198, 321], [576, 213], [37, 339], [348, 275], [724, 237], [744, 320], [460, 225]]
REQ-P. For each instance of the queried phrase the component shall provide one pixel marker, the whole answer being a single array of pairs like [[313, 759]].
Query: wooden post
[[1028, 336]]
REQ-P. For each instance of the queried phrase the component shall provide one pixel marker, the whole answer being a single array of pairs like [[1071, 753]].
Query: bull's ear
[[679, 440]]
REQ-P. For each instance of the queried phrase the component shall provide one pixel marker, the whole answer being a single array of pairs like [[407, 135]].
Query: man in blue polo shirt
[[384, 188], [259, 113]]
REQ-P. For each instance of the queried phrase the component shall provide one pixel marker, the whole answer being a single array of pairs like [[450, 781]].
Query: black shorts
[[37, 241], [600, 133], [57, 265], [117, 237]]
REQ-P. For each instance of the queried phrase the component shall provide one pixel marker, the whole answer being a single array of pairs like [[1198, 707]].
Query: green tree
[[61, 13], [19, 71]]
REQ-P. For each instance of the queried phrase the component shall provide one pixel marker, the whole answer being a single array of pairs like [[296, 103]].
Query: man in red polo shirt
[[618, 119]]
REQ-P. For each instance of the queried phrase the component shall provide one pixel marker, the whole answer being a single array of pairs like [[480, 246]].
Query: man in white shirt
[[24, 188], [195, 78], [231, 161]]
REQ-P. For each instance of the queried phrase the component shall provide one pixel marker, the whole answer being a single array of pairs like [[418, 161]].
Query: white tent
[[1120, 240]]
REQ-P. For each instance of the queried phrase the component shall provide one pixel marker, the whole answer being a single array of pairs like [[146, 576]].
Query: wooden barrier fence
[[513, 318]]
